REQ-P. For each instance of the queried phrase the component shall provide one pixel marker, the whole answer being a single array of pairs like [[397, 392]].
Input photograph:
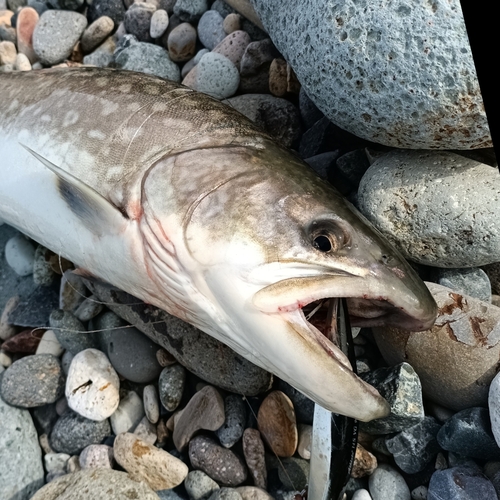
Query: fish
[[179, 200]]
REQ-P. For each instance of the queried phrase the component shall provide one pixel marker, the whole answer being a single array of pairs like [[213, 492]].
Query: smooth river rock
[[457, 358], [400, 74], [438, 208]]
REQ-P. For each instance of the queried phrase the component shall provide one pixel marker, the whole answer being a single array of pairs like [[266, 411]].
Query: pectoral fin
[[96, 212]]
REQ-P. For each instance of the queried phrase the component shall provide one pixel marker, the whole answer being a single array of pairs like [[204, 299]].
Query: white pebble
[[361, 495], [146, 431], [56, 461], [20, 255], [128, 414], [159, 23], [22, 63], [386, 483], [151, 403], [49, 344], [494, 407], [73, 464], [92, 386], [5, 359], [97, 456]]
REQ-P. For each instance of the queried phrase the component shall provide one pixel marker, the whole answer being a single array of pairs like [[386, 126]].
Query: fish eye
[[322, 243], [327, 236]]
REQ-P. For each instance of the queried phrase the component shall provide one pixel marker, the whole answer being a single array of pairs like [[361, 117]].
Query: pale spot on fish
[[109, 107], [159, 106], [125, 88], [133, 106], [13, 105], [71, 118], [96, 134], [151, 89], [45, 118], [101, 82]]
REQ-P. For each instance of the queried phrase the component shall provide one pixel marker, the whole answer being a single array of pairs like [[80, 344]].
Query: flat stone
[[55, 35], [27, 20], [19, 251], [128, 414], [361, 70], [88, 309], [171, 386], [70, 332], [386, 483], [25, 342], [145, 462], [21, 467], [92, 386], [469, 433], [441, 231], [205, 410], [234, 424], [277, 424], [415, 447], [199, 353], [159, 23], [364, 462], [97, 456], [473, 282], [33, 381], [456, 359], [72, 433], [305, 437], [199, 486], [151, 403], [221, 464], [255, 456], [96, 33], [89, 484], [146, 431], [294, 473], [401, 387], [34, 309]]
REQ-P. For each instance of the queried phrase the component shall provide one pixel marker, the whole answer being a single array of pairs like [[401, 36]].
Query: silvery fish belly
[[179, 200]]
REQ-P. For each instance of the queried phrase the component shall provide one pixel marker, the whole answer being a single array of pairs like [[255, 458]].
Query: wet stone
[[234, 424], [199, 486], [33, 381], [171, 386], [221, 464], [401, 387], [72, 433], [70, 332], [469, 433], [254, 452], [415, 447]]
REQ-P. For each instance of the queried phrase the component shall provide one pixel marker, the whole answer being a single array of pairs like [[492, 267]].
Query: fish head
[[267, 240]]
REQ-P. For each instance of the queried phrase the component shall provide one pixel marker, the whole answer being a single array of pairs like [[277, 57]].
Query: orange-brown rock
[[25, 25], [364, 463]]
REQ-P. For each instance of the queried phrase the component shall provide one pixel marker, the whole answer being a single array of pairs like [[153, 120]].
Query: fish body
[[182, 202]]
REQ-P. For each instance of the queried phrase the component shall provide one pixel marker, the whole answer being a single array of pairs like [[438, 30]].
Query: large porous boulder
[[439, 208], [399, 74], [457, 358]]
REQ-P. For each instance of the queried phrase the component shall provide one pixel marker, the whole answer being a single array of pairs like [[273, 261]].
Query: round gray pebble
[[70, 332], [96, 33], [138, 20], [72, 433], [20, 255], [211, 29], [88, 309], [225, 494], [199, 486], [33, 381], [190, 10], [171, 386], [386, 483], [234, 424], [217, 76], [151, 403], [159, 23], [473, 282], [181, 42]]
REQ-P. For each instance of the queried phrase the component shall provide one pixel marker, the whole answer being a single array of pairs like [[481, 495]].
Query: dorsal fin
[[98, 214]]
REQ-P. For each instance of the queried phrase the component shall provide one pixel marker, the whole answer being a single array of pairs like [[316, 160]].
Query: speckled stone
[[72, 292], [129, 413], [253, 493], [97, 456], [137, 20], [460, 483], [88, 309], [113, 9], [386, 483], [233, 46], [43, 274], [441, 211], [221, 464], [255, 457], [19, 251], [33, 381], [199, 486], [225, 494], [103, 56], [358, 64], [159, 23], [72, 433], [70, 332], [190, 10], [217, 76], [171, 386], [234, 424], [151, 403], [211, 29]]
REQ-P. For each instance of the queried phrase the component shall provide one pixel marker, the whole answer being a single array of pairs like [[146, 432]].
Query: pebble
[[96, 33], [73, 464], [349, 170], [92, 386], [469, 433], [199, 486], [33, 310], [419, 493], [5, 359], [401, 387], [133, 55], [8, 34], [305, 437], [216, 75], [128, 414], [151, 403], [97, 456], [364, 462], [26, 23], [133, 355], [253, 493], [255, 457], [233, 46], [205, 410], [181, 42], [277, 424], [19, 251], [415, 447], [420, 213], [43, 274], [56, 34], [361, 494], [72, 291], [159, 23], [88, 309], [460, 483], [45, 417], [225, 494], [165, 358], [274, 115], [70, 332], [221, 464], [190, 11], [66, 360], [114, 9], [145, 462], [33, 381], [234, 425], [103, 56], [23, 64], [56, 461], [254, 66], [456, 359], [473, 282], [171, 386], [21, 467], [72, 433], [25, 342], [8, 330], [146, 431], [89, 484], [294, 473], [494, 407], [211, 29], [386, 483], [137, 20], [232, 23], [381, 92]]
